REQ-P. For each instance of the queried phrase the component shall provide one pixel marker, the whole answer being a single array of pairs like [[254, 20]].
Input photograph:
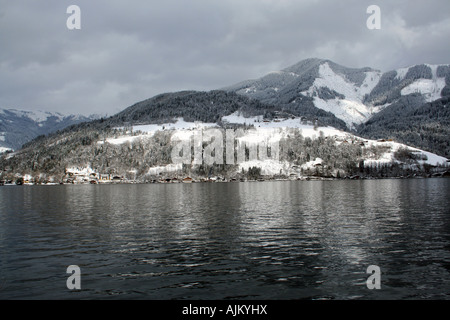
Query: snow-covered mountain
[[309, 109], [352, 95], [282, 148], [19, 126]]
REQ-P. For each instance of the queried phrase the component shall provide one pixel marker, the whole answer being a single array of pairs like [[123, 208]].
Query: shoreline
[[303, 179]]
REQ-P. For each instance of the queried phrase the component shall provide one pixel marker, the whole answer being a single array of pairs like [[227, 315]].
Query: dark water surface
[[265, 240]]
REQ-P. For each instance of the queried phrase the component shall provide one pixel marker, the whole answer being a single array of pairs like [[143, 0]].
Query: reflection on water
[[271, 240]]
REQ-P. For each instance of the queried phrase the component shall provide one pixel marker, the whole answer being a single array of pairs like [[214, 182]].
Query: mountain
[[314, 119], [191, 105], [425, 126], [316, 84], [18, 127], [175, 135], [367, 101]]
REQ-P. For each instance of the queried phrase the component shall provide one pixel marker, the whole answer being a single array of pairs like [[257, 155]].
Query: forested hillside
[[426, 126]]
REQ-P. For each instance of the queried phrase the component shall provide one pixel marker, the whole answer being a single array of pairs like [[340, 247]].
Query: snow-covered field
[[307, 130], [180, 124], [148, 130]]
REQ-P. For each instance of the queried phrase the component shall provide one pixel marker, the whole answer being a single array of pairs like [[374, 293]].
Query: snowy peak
[[352, 95], [36, 116]]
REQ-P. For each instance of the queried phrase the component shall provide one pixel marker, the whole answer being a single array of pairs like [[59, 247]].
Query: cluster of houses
[[352, 140], [92, 177], [86, 176]]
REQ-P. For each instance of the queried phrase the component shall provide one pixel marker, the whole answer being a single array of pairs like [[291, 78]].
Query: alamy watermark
[[211, 147], [74, 281], [374, 280], [374, 20], [74, 20]]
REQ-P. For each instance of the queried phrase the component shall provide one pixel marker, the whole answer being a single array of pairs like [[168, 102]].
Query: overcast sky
[[127, 51]]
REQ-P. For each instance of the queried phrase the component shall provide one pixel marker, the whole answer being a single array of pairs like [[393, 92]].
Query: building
[[188, 180]]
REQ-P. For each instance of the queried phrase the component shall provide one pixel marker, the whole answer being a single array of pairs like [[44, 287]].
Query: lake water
[[262, 240]]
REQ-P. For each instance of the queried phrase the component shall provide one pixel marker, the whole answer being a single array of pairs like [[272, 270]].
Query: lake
[[247, 241]]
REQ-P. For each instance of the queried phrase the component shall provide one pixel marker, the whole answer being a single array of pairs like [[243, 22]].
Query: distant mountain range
[[330, 121], [18, 127]]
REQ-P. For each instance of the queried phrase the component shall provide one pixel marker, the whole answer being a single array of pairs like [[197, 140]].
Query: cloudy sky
[[127, 51]]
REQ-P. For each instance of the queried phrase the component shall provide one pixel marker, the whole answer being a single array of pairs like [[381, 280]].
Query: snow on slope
[[350, 109], [37, 116], [171, 168], [348, 93], [401, 73], [2, 150], [392, 147], [430, 89], [180, 124], [148, 130], [307, 129], [272, 132], [80, 170]]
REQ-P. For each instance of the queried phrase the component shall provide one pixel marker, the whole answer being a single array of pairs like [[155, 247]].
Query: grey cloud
[[129, 51]]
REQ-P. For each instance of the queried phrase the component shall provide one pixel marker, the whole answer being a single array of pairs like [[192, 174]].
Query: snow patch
[[268, 167], [180, 127], [171, 168], [401, 73], [80, 170], [238, 118], [431, 89], [125, 139], [251, 89], [350, 109], [392, 147], [262, 135], [376, 109], [307, 130], [433, 68], [370, 82], [312, 164], [180, 124], [3, 149], [37, 116]]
